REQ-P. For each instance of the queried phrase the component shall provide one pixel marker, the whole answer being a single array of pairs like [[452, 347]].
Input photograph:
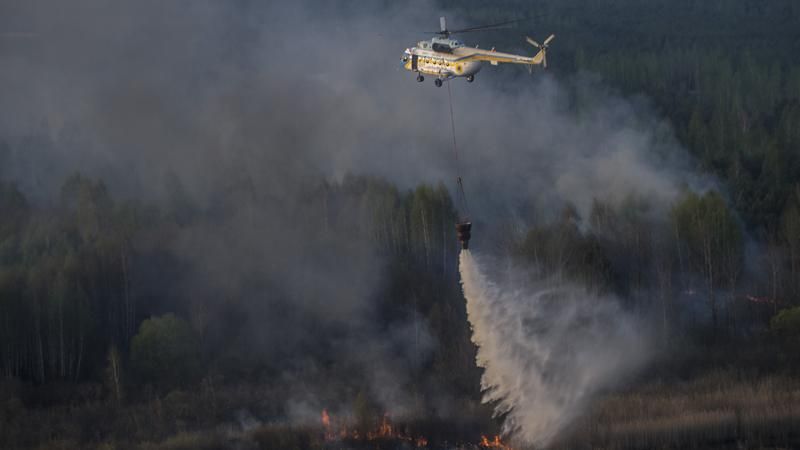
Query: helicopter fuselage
[[441, 58], [447, 58]]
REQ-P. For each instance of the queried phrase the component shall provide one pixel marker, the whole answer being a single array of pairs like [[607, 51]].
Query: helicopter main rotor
[[444, 32]]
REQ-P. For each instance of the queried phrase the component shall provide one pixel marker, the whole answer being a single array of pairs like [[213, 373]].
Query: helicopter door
[[414, 59]]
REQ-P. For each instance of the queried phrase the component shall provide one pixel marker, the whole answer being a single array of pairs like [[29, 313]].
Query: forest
[[253, 316]]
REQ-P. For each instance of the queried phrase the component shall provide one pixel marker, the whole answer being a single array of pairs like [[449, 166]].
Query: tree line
[[725, 74], [73, 297], [77, 301]]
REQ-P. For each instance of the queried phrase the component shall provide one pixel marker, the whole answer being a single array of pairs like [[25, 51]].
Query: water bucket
[[463, 233]]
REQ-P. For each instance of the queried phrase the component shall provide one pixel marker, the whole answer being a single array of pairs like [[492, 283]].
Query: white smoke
[[546, 349]]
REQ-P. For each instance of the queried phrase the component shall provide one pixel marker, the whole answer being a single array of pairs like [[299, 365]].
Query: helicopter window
[[442, 48]]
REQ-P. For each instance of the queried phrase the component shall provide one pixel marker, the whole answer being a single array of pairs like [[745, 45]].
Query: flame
[[326, 419], [339, 430], [384, 430], [326, 424], [496, 442]]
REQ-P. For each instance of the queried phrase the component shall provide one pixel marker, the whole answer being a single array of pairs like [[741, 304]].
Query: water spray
[[547, 348]]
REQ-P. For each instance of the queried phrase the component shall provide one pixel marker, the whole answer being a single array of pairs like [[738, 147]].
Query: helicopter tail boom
[[540, 58]]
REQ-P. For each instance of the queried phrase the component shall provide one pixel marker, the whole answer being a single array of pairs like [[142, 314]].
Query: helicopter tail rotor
[[541, 57]]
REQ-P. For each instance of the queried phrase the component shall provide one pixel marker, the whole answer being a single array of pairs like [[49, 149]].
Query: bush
[[786, 323], [284, 437], [189, 441], [165, 351]]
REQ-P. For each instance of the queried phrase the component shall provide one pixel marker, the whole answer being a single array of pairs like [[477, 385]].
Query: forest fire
[[383, 432], [342, 431], [326, 425], [495, 442]]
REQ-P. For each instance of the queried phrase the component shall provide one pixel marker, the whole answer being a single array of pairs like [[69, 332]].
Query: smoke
[[204, 100], [292, 92], [546, 348]]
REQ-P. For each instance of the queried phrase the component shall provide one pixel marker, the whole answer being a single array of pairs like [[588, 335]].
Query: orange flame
[[326, 419], [339, 431], [384, 430], [493, 443]]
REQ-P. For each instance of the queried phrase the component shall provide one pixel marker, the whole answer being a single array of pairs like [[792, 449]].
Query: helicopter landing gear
[[470, 78], [420, 78], [438, 82]]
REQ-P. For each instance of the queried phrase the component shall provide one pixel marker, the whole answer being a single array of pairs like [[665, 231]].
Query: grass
[[718, 410], [712, 409], [189, 441]]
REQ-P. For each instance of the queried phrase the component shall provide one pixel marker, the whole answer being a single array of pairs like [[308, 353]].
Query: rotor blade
[[494, 26], [489, 27], [547, 41], [532, 42], [500, 24]]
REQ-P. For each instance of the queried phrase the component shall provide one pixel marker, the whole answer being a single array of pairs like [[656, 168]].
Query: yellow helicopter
[[446, 58]]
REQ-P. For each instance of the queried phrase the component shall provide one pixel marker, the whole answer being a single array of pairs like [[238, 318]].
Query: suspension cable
[[461, 195]]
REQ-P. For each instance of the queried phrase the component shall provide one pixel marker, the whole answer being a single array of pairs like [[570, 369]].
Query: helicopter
[[446, 58]]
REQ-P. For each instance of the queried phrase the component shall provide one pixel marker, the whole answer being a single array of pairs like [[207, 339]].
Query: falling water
[[546, 348]]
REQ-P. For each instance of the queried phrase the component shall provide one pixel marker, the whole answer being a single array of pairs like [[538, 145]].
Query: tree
[[562, 250], [165, 351], [14, 209], [790, 236], [710, 233], [114, 373], [365, 413], [89, 202]]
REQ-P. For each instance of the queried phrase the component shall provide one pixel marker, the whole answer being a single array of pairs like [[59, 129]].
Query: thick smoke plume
[[546, 348], [199, 101], [204, 89]]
